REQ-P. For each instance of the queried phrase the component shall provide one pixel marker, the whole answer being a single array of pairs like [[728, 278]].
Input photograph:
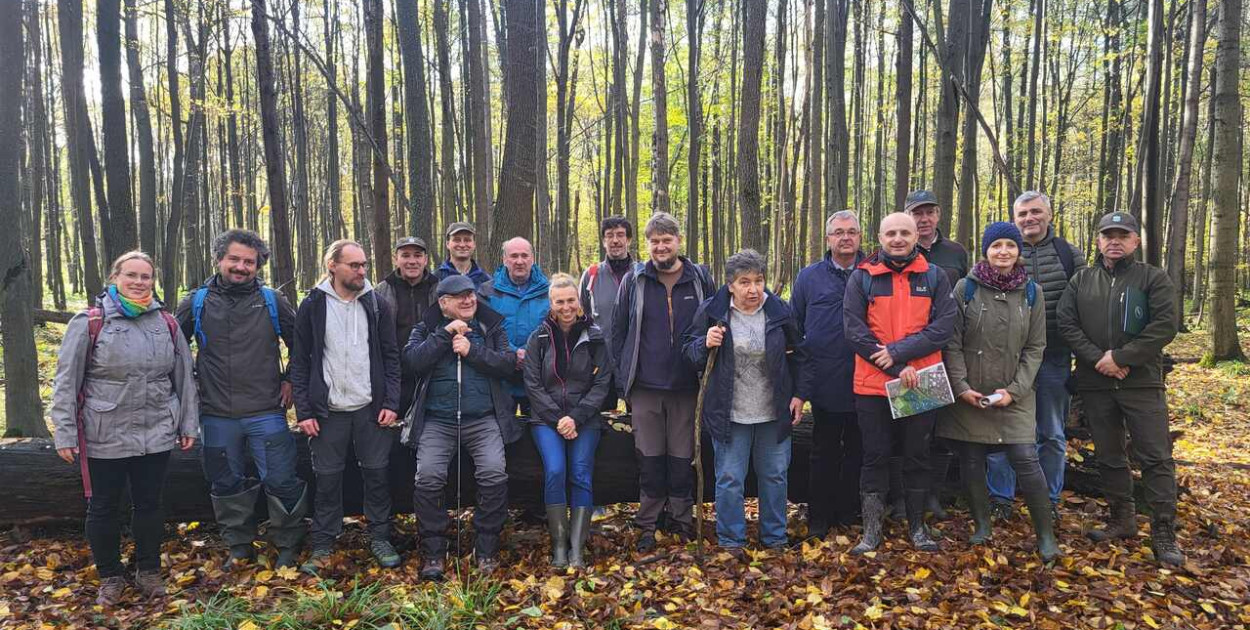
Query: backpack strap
[[95, 323], [970, 290], [865, 283], [271, 303], [1067, 257], [1030, 291], [197, 311]]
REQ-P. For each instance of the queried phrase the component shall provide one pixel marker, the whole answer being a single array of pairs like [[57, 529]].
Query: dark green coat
[[998, 344], [1091, 319]]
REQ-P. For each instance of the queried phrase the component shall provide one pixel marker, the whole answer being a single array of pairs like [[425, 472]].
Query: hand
[[186, 442], [567, 428], [288, 395], [1107, 366], [456, 327], [972, 397], [520, 357], [1122, 374], [1006, 399], [882, 358], [460, 345], [715, 337], [909, 377], [310, 427], [796, 411], [387, 418], [67, 454]]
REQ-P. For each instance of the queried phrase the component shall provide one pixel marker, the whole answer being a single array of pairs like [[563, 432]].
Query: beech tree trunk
[[275, 166], [514, 209], [143, 131], [753, 236], [417, 113], [1226, 165], [119, 231], [659, 96], [1189, 130]]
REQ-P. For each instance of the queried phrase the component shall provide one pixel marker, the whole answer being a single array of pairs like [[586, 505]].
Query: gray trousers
[[663, 424], [435, 449], [1143, 413], [372, 444]]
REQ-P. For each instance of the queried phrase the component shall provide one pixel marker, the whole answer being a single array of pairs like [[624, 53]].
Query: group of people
[[453, 359]]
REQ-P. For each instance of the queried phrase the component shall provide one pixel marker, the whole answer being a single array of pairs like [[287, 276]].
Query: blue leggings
[[567, 463]]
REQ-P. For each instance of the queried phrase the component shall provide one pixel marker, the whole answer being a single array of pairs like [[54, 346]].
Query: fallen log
[[36, 486]]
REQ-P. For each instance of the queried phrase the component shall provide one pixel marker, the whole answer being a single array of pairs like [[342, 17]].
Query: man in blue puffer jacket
[[520, 295]]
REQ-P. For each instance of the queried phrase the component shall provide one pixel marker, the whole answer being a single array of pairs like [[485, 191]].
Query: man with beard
[[409, 290], [236, 322], [654, 307], [345, 374]]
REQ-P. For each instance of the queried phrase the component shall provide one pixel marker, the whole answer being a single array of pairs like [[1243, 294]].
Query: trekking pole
[[698, 451], [459, 395]]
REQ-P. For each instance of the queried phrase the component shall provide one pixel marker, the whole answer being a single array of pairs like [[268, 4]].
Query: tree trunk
[[1035, 64], [143, 130], [514, 208], [1201, 223], [568, 36], [447, 163], [902, 91], [839, 142], [120, 235], [232, 123], [951, 63], [479, 124], [694, 116], [1189, 130], [1147, 206], [417, 113], [659, 96], [978, 39], [375, 98], [275, 167], [753, 236], [37, 142], [22, 408], [816, 149], [1226, 165]]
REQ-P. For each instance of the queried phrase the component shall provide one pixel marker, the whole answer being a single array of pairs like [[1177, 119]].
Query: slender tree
[[120, 233], [143, 132], [1179, 201], [417, 114], [275, 167], [78, 142], [1226, 165], [659, 96], [753, 236], [375, 95], [946, 125], [514, 215], [902, 97]]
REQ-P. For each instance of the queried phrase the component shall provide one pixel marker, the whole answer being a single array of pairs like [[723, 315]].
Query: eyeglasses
[[357, 266], [841, 233]]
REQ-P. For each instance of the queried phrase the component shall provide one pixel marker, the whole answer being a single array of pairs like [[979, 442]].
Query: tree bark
[[514, 208], [447, 162], [37, 142], [659, 97], [22, 407], [119, 233], [816, 148], [375, 98], [1147, 205], [417, 113], [753, 237], [275, 167], [143, 131], [1226, 165], [479, 123], [694, 116], [946, 126], [838, 152], [902, 92], [978, 39], [1184, 162]]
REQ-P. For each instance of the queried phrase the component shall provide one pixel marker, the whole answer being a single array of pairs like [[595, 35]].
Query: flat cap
[[455, 285]]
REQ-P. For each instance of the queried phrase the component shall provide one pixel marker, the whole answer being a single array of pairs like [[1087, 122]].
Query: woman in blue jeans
[[567, 379], [749, 405]]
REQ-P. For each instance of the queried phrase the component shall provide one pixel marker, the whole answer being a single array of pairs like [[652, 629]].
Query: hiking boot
[[316, 560], [150, 584], [1002, 510], [874, 513], [110, 591], [240, 555], [1121, 524], [432, 569], [918, 532], [579, 530], [1163, 541], [558, 529], [384, 552], [487, 564], [646, 542]]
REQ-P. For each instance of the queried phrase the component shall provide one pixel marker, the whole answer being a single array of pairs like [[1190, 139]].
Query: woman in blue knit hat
[[992, 360]]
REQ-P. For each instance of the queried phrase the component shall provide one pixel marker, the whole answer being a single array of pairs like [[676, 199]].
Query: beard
[[665, 265]]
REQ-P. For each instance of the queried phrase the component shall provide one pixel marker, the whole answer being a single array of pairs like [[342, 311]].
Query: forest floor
[[46, 578]]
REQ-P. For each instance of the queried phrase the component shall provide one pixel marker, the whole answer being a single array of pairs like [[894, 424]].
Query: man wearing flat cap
[[461, 245], [409, 289], [461, 360], [1117, 316]]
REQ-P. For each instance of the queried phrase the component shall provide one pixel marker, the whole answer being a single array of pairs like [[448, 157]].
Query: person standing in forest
[[600, 282], [898, 315], [1050, 261], [654, 307], [827, 378], [1117, 316], [520, 296], [124, 397], [236, 321], [409, 290], [461, 245], [345, 378]]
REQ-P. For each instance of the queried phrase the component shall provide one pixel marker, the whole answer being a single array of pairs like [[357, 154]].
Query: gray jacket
[[998, 343], [1045, 267], [140, 388], [597, 292]]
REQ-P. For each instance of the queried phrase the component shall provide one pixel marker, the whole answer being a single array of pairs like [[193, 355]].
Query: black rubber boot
[[287, 528], [1121, 524], [579, 531], [236, 516], [558, 528], [1163, 541], [1043, 525], [874, 514], [919, 533], [979, 508], [939, 464], [898, 503]]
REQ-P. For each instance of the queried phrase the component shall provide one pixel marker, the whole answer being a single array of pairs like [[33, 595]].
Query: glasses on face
[[841, 233], [357, 266]]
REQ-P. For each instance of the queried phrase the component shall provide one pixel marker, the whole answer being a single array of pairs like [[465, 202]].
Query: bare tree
[[952, 49], [417, 113], [1189, 130], [78, 137], [375, 95], [119, 231], [753, 237], [143, 133], [514, 209], [902, 92], [659, 96], [1226, 164], [275, 167]]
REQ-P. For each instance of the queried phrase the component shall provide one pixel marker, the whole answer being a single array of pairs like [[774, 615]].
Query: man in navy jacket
[[827, 376]]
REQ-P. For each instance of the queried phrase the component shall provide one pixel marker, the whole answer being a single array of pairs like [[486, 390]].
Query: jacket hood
[[537, 286], [718, 306], [593, 332], [327, 288], [477, 273]]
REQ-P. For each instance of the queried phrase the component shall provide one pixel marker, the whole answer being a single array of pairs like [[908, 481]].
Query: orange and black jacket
[[910, 312]]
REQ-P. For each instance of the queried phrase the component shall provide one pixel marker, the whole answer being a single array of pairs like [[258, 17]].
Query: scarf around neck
[[129, 308], [987, 275]]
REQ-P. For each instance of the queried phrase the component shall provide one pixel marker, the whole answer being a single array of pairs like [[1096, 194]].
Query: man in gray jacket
[[1050, 261], [600, 282], [236, 322]]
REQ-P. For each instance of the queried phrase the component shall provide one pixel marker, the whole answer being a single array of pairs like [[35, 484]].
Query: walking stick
[[459, 509], [698, 451]]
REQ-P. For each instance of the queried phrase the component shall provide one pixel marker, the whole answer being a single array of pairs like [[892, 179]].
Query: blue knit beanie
[[995, 231]]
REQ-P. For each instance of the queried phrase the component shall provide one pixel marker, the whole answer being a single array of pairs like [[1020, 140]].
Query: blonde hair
[[335, 251], [116, 269], [561, 280]]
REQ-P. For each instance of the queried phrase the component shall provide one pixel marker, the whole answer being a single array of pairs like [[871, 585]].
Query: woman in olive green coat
[[992, 361]]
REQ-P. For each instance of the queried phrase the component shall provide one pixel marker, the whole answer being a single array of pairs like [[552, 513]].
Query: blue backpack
[[197, 309], [970, 290]]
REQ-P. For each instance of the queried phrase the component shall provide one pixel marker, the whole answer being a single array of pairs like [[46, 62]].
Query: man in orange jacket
[[899, 314]]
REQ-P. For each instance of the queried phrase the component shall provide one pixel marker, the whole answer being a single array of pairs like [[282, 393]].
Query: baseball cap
[[460, 226], [1118, 221], [411, 241], [455, 285], [917, 198]]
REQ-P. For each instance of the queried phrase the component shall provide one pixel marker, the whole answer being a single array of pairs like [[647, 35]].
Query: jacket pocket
[[100, 408]]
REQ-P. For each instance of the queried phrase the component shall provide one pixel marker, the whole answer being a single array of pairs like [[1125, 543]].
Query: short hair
[[246, 238], [840, 215], [1030, 195], [116, 267], [561, 281], [613, 222], [745, 261], [662, 223], [335, 251], [503, 249]]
